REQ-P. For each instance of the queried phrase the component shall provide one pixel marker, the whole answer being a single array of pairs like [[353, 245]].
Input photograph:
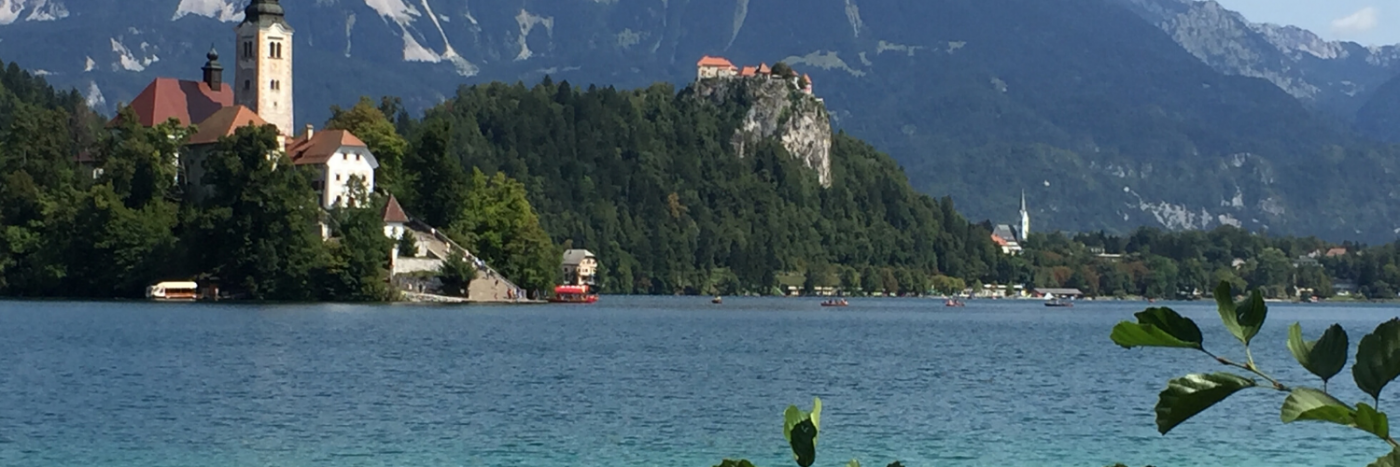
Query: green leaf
[[1324, 357], [801, 429], [1243, 319], [1372, 421], [1388, 460], [1158, 327], [1312, 404], [1378, 358], [1225, 304], [853, 463], [1189, 395], [735, 463]]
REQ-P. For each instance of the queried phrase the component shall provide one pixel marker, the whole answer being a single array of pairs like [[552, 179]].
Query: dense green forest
[[647, 181], [644, 178]]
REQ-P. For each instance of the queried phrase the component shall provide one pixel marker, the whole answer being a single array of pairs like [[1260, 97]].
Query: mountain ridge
[[976, 99]]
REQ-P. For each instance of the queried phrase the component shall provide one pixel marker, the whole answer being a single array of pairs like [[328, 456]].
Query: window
[[337, 177], [276, 85], [248, 49], [247, 84], [357, 157]]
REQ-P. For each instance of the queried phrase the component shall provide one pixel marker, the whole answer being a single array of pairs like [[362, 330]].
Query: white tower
[[263, 81], [1025, 218]]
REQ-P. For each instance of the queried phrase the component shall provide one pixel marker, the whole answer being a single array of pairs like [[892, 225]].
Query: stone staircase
[[434, 247]]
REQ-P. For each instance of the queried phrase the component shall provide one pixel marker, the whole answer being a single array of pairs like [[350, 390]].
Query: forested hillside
[[1104, 119], [646, 179]]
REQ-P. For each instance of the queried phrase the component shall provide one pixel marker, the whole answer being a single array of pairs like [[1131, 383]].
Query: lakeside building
[[580, 267]]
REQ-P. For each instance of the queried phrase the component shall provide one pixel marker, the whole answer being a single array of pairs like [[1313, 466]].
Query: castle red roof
[[749, 71], [763, 69], [716, 62], [321, 146], [224, 123], [186, 101]]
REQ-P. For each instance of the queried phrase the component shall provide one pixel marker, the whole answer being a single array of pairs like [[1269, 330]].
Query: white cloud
[[1363, 20]]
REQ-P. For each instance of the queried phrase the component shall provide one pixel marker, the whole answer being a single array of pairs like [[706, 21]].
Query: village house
[[580, 267]]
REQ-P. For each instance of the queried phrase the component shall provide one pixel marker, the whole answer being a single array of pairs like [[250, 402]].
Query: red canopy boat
[[574, 294]]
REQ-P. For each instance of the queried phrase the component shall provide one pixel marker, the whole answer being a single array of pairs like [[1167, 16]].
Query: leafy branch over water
[[801, 428], [1377, 364]]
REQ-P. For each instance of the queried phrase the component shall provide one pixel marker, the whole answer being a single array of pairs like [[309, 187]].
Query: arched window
[[247, 84]]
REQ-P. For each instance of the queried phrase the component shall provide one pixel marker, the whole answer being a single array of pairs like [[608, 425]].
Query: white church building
[[261, 93]]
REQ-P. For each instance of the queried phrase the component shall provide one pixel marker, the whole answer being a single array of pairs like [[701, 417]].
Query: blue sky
[[1370, 22]]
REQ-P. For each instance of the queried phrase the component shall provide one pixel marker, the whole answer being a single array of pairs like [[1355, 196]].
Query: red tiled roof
[[1335, 252], [998, 240], [187, 101], [321, 146], [749, 71], [393, 212], [717, 62], [763, 69], [224, 122]]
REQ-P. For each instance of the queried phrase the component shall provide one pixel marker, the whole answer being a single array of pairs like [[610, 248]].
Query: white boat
[[173, 291]]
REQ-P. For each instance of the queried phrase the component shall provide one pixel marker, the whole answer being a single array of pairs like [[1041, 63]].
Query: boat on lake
[[954, 302], [717, 300], [1059, 303], [173, 292], [835, 302], [574, 294]]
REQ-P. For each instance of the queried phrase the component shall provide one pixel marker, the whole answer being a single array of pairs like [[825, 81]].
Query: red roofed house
[[748, 71], [715, 67], [764, 69], [335, 158]]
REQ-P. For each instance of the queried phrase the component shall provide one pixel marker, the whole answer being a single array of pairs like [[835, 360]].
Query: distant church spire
[[1025, 217]]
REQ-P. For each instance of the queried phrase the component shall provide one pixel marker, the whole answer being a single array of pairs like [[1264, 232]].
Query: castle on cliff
[[721, 68]]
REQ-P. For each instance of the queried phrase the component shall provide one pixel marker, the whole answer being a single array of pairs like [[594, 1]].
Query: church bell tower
[[263, 80]]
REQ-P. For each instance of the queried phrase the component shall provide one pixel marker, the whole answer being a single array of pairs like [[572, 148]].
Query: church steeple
[[213, 71], [1025, 217], [260, 11]]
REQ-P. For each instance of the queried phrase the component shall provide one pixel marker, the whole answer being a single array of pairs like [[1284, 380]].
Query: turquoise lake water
[[634, 382]]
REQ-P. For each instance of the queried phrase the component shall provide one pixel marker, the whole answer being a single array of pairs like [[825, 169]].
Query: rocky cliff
[[777, 109]]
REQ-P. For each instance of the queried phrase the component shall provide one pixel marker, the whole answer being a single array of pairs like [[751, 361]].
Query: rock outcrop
[[777, 109]]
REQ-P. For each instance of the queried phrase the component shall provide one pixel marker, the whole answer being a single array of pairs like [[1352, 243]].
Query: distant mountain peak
[[227, 11]]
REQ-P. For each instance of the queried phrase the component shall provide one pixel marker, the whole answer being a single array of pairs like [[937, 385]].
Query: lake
[[636, 382]]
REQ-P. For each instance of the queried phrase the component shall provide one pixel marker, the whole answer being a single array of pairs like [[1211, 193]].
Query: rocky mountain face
[[1335, 77], [777, 109], [1105, 122]]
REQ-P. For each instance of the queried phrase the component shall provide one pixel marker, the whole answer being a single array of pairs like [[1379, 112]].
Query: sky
[[1369, 22]]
